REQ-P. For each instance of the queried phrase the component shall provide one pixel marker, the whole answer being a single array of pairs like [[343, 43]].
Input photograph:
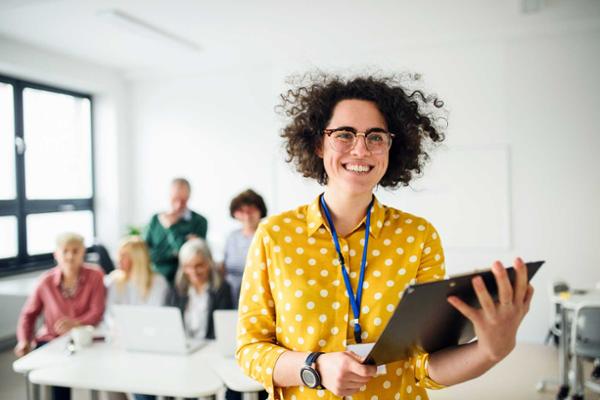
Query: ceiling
[[231, 33]]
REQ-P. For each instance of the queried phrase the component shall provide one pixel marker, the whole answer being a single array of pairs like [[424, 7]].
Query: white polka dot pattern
[[293, 294]]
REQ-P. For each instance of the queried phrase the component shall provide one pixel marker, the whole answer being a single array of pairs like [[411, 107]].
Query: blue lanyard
[[354, 301]]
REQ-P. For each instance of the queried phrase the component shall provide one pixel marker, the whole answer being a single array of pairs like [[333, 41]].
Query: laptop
[[153, 329], [225, 331]]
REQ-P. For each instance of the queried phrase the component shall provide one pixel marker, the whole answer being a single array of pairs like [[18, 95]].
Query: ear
[[319, 149]]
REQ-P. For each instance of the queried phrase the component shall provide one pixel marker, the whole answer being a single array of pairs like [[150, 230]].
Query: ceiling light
[[146, 29]]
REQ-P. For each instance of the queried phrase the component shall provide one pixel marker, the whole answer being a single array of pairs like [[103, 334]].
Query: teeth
[[358, 168]]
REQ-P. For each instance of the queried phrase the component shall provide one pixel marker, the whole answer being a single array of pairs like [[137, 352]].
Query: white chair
[[225, 331], [585, 345], [555, 289]]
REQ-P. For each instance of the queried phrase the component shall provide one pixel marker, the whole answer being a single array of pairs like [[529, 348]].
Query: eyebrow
[[351, 128]]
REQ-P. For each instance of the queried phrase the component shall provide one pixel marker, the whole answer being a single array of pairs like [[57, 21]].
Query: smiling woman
[[329, 274], [412, 118]]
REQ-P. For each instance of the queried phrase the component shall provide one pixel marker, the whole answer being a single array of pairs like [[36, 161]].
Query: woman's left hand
[[496, 324]]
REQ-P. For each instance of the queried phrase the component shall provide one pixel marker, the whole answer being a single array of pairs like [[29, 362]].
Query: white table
[[107, 367], [51, 354], [568, 305], [55, 352], [233, 377]]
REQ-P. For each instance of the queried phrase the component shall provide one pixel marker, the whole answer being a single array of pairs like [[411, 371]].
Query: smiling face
[[197, 269], [358, 170], [70, 256], [125, 262], [248, 215], [179, 197]]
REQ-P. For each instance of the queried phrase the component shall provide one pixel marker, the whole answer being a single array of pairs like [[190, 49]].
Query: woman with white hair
[[68, 295], [199, 289]]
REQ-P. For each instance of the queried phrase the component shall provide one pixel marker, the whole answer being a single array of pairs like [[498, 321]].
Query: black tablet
[[424, 320]]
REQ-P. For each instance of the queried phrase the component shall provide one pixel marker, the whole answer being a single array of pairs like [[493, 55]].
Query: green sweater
[[164, 243]]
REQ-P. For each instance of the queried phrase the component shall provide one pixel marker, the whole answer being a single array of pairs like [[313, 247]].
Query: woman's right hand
[[22, 348], [342, 372]]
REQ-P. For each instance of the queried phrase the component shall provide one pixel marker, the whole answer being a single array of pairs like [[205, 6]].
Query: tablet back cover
[[425, 321]]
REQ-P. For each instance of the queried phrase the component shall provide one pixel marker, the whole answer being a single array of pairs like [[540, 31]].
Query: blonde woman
[[134, 282]]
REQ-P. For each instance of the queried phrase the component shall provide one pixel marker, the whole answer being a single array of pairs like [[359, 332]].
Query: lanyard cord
[[354, 301]]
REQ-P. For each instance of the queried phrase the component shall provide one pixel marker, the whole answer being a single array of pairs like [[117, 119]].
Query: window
[[46, 171]]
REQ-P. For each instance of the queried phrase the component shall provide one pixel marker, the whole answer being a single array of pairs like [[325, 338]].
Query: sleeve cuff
[[422, 373], [258, 361]]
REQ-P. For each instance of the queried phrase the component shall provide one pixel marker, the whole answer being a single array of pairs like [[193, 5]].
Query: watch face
[[309, 377]]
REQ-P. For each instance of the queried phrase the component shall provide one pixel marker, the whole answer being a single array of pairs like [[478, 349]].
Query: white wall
[[530, 93], [215, 130], [112, 204]]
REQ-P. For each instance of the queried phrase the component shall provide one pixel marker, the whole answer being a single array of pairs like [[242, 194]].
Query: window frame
[[20, 207]]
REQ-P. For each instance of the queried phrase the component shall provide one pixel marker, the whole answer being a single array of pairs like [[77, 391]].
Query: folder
[[425, 321]]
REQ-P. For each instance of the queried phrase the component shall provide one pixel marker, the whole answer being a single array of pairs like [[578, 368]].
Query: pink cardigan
[[86, 306]]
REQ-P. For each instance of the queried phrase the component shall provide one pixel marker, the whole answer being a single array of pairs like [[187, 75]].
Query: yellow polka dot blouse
[[293, 295]]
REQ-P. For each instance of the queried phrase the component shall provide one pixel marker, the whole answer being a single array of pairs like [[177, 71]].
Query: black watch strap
[[312, 358]]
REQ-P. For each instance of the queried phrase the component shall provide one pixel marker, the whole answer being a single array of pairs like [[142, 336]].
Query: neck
[[248, 229], [69, 276], [199, 286], [346, 211]]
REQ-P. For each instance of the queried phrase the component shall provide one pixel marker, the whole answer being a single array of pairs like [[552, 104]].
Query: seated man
[[68, 295], [168, 231]]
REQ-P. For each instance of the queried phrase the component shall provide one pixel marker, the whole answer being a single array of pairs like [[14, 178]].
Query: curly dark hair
[[248, 198], [410, 114]]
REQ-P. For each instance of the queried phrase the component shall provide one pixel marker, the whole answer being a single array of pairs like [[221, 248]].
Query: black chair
[[555, 329], [98, 254]]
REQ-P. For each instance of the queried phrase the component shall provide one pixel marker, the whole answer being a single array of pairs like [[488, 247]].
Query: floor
[[515, 378]]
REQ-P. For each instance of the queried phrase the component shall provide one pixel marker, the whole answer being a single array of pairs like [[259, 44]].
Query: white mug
[[82, 336]]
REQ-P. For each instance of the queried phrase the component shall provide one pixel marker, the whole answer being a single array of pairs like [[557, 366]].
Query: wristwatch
[[309, 375]]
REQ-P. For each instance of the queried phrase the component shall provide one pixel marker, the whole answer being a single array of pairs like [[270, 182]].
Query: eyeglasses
[[344, 139]]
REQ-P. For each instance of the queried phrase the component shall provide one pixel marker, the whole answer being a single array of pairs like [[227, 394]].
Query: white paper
[[362, 350]]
